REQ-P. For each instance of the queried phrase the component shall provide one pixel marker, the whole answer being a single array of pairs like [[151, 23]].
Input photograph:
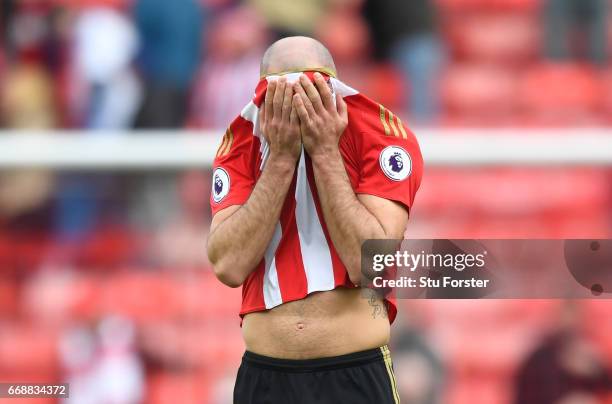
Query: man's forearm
[[239, 243], [349, 222]]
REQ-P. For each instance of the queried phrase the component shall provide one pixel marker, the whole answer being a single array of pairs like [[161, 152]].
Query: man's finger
[[293, 118], [299, 90], [269, 98], [300, 108], [342, 108], [262, 115], [287, 101], [313, 94], [262, 122], [324, 91], [278, 98]]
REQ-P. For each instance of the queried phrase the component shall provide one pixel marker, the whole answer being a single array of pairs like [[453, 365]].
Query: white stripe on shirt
[[315, 251]]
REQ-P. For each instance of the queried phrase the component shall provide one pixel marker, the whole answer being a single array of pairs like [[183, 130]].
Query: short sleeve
[[391, 164], [234, 167]]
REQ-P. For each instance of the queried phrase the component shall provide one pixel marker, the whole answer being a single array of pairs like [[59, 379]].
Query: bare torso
[[323, 324]]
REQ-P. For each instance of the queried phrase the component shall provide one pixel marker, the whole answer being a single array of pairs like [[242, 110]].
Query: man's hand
[[350, 219], [322, 122], [279, 121], [232, 249]]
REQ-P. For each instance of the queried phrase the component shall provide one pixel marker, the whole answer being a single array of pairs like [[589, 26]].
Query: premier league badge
[[221, 184], [395, 162]]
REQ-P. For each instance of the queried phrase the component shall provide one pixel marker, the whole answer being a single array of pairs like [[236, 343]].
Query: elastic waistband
[[315, 365]]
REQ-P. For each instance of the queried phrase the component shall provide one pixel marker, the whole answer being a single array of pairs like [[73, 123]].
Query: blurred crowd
[[104, 65], [116, 64], [104, 280]]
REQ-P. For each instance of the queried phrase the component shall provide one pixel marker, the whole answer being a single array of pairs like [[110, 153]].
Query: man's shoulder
[[239, 139], [371, 121]]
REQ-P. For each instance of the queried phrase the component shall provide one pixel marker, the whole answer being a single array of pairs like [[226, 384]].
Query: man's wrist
[[281, 162], [326, 154]]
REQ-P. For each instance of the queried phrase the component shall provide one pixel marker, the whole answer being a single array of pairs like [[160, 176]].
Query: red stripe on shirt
[[252, 290], [289, 264]]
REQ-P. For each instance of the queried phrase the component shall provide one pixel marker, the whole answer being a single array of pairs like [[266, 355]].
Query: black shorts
[[361, 377]]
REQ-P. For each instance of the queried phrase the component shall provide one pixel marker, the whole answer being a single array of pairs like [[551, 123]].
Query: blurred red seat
[[479, 93], [109, 247], [9, 297], [7, 254], [138, 294], [484, 5], [517, 190], [218, 300], [597, 315], [221, 345], [26, 349], [509, 39], [178, 387], [87, 290], [561, 94], [478, 389], [449, 214], [194, 297], [607, 95], [385, 84], [28, 250]]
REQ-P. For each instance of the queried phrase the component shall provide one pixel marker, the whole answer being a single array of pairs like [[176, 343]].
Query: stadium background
[[104, 280]]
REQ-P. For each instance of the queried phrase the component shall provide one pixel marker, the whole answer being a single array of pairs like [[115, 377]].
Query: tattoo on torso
[[379, 307]]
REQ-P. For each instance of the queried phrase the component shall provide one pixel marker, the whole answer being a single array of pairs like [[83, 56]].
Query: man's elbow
[[355, 279], [228, 277], [230, 280], [226, 270]]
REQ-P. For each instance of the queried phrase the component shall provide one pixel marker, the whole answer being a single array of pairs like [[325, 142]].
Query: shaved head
[[296, 53]]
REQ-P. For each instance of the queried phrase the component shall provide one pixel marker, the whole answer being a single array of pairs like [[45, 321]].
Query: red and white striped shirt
[[382, 158]]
